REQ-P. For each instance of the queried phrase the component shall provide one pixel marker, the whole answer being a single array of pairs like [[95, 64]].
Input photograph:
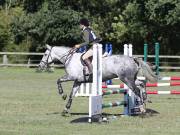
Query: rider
[[89, 38]]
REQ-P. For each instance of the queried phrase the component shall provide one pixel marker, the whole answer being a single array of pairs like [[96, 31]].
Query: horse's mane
[[62, 49]]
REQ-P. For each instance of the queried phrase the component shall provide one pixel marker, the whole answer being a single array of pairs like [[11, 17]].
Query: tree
[[32, 6], [2, 2], [164, 21], [116, 21], [4, 36], [55, 27], [148, 21]]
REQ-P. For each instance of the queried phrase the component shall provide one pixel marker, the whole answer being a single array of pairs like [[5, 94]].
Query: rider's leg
[[85, 57]]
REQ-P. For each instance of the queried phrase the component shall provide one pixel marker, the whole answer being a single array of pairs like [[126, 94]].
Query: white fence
[[29, 63], [5, 60]]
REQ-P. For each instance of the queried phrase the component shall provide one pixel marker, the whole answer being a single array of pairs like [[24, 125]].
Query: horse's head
[[47, 58]]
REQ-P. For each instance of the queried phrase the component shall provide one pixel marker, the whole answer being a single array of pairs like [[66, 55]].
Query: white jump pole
[[132, 98], [95, 98], [126, 96], [130, 50], [126, 50]]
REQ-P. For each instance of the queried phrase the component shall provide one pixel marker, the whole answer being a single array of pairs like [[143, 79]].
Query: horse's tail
[[145, 70]]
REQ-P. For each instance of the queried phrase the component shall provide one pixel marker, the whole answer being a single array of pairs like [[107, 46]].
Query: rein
[[69, 55]]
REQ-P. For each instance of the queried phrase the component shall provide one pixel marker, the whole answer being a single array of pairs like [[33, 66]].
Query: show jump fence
[[168, 84], [95, 98], [130, 102]]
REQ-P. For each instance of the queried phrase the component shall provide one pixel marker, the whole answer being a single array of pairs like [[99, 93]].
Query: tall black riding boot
[[89, 65]]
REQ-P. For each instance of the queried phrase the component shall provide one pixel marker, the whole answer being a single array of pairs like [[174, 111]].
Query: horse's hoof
[[64, 96], [142, 109], [65, 112]]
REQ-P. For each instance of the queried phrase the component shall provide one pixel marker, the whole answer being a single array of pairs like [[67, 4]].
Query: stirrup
[[88, 74]]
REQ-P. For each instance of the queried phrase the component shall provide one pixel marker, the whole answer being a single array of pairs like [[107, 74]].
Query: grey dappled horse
[[123, 67]]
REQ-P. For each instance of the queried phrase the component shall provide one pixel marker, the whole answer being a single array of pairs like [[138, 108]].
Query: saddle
[[97, 40], [87, 76]]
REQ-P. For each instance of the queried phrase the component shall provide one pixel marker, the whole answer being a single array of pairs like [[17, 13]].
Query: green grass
[[30, 105]]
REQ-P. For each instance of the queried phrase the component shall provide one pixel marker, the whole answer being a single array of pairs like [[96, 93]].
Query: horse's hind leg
[[140, 101], [65, 78], [72, 94], [131, 84]]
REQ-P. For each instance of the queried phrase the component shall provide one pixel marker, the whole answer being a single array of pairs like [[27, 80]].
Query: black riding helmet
[[84, 22]]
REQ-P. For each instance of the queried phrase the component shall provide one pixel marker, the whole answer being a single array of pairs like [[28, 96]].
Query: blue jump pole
[[108, 49]]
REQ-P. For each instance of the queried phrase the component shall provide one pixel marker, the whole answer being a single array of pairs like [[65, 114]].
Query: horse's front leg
[[65, 78], [75, 88]]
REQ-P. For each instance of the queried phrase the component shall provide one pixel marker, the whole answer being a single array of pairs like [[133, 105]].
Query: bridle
[[49, 55], [68, 55]]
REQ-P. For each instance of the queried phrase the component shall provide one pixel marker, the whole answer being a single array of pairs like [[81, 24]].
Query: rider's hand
[[77, 46]]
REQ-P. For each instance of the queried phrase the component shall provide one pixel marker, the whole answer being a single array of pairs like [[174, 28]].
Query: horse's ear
[[48, 46]]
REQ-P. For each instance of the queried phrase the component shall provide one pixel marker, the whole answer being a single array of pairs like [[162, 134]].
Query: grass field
[[30, 105]]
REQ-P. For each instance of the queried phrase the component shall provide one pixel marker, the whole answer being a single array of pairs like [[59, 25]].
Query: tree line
[[26, 25]]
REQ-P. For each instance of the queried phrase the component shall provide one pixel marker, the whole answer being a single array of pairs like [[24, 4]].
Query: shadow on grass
[[149, 113], [53, 113], [109, 116], [80, 120], [85, 118], [80, 114], [100, 119]]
